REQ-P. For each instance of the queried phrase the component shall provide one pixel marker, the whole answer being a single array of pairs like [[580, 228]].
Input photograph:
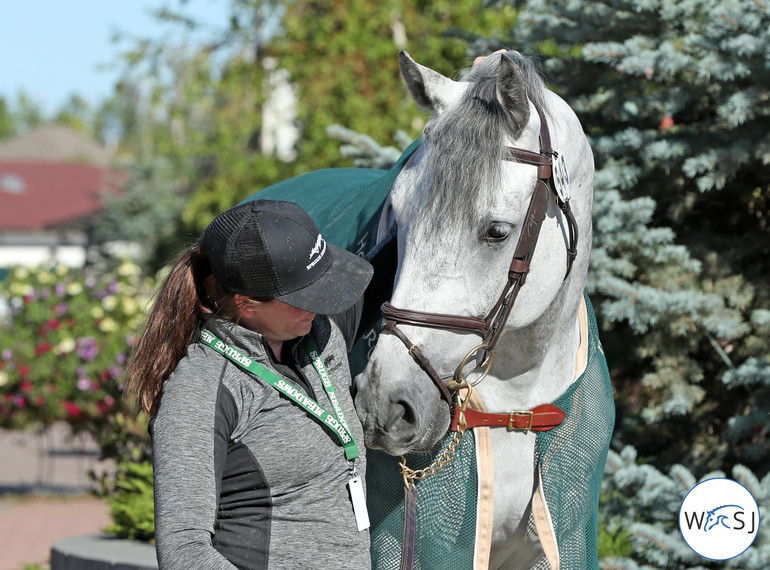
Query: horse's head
[[460, 205]]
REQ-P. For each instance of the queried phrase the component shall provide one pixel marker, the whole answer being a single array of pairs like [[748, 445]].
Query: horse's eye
[[496, 233]]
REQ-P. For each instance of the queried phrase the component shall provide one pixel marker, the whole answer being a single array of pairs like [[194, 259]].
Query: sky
[[51, 49]]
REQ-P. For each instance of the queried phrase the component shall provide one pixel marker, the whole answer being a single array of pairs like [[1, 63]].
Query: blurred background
[[126, 126]]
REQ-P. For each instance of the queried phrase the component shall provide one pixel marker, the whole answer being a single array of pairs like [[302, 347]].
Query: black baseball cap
[[271, 248]]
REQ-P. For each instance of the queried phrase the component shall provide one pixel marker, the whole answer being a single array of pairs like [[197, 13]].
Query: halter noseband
[[491, 327]]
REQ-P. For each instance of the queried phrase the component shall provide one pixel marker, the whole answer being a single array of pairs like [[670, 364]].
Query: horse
[[488, 298], [480, 236]]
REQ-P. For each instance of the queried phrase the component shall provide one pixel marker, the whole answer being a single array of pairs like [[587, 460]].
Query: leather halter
[[491, 327]]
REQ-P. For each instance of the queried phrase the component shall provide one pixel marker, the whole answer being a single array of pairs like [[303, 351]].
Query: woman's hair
[[171, 326]]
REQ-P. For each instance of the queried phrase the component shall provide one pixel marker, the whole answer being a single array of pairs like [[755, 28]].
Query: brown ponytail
[[170, 328]]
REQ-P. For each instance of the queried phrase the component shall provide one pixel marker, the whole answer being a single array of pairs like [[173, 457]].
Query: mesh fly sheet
[[345, 204]]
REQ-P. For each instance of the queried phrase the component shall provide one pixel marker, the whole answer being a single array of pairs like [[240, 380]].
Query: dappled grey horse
[[493, 221]]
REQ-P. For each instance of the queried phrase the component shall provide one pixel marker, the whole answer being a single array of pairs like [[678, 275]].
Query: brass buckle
[[512, 427], [414, 348]]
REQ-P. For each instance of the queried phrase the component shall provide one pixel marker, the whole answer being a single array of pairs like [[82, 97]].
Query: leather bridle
[[491, 327]]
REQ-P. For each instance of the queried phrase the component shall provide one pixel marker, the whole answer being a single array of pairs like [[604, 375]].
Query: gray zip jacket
[[245, 478]]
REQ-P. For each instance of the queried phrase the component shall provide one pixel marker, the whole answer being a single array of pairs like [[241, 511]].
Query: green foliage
[[641, 504], [343, 59], [614, 543], [146, 212], [75, 113], [131, 503], [64, 341], [365, 151], [209, 102], [27, 113], [670, 94], [7, 121]]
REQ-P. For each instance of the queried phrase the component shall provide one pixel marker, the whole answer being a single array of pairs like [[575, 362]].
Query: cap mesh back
[[250, 264]]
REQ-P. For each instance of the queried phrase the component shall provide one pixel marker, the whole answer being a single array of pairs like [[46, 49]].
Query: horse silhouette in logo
[[713, 519], [319, 249]]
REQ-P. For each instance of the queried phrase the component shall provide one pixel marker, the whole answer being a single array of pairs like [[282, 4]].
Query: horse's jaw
[[536, 364], [400, 409]]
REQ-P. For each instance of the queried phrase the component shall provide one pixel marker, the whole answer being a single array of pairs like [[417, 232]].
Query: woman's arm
[[190, 432]]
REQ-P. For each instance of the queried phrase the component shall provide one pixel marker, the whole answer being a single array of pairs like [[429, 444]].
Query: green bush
[[63, 343], [615, 543], [131, 502]]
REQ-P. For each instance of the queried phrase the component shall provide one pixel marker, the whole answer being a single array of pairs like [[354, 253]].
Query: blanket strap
[[541, 418]]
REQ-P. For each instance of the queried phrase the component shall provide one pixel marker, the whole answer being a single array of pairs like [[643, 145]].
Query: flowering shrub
[[64, 340]]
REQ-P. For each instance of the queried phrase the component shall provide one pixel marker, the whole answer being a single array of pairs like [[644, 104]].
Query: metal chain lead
[[410, 474]]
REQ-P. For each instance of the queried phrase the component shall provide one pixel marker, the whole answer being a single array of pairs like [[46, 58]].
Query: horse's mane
[[467, 143]]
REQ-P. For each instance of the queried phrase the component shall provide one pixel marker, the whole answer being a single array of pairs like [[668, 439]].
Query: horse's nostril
[[400, 412], [409, 414], [395, 413]]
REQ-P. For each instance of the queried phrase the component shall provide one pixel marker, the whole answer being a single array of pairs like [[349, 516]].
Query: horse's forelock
[[466, 146]]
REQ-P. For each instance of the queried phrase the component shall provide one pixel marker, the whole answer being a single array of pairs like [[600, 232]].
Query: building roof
[[41, 195], [54, 143]]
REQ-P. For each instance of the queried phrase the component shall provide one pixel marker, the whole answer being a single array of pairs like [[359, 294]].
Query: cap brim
[[337, 289]]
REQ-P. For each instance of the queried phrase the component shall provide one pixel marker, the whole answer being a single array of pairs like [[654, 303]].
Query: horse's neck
[[536, 364]]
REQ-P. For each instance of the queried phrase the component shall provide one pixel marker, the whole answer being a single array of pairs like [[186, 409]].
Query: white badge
[[356, 488], [560, 176]]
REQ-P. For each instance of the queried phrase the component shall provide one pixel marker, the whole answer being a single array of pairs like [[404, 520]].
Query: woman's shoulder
[[198, 369], [205, 378]]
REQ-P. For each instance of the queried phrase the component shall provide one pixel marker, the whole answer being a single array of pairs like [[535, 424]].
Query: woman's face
[[278, 321]]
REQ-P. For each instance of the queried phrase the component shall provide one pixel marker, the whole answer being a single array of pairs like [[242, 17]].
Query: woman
[[257, 451]]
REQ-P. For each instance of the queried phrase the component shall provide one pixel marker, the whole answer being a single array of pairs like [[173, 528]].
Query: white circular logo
[[719, 519]]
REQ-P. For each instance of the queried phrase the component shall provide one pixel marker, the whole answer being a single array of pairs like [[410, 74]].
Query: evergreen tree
[[146, 212], [673, 96], [634, 492]]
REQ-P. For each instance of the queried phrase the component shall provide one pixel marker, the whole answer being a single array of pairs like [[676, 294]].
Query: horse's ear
[[423, 82], [512, 95]]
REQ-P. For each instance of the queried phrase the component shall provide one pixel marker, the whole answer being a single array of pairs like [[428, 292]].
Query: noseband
[[491, 327]]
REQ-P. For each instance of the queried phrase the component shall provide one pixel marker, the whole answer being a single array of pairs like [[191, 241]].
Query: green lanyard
[[336, 422]]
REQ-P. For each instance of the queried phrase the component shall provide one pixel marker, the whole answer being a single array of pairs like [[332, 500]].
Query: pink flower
[[42, 348], [71, 408], [106, 404], [49, 325], [25, 386]]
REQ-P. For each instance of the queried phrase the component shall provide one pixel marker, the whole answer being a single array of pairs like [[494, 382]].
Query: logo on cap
[[317, 253]]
